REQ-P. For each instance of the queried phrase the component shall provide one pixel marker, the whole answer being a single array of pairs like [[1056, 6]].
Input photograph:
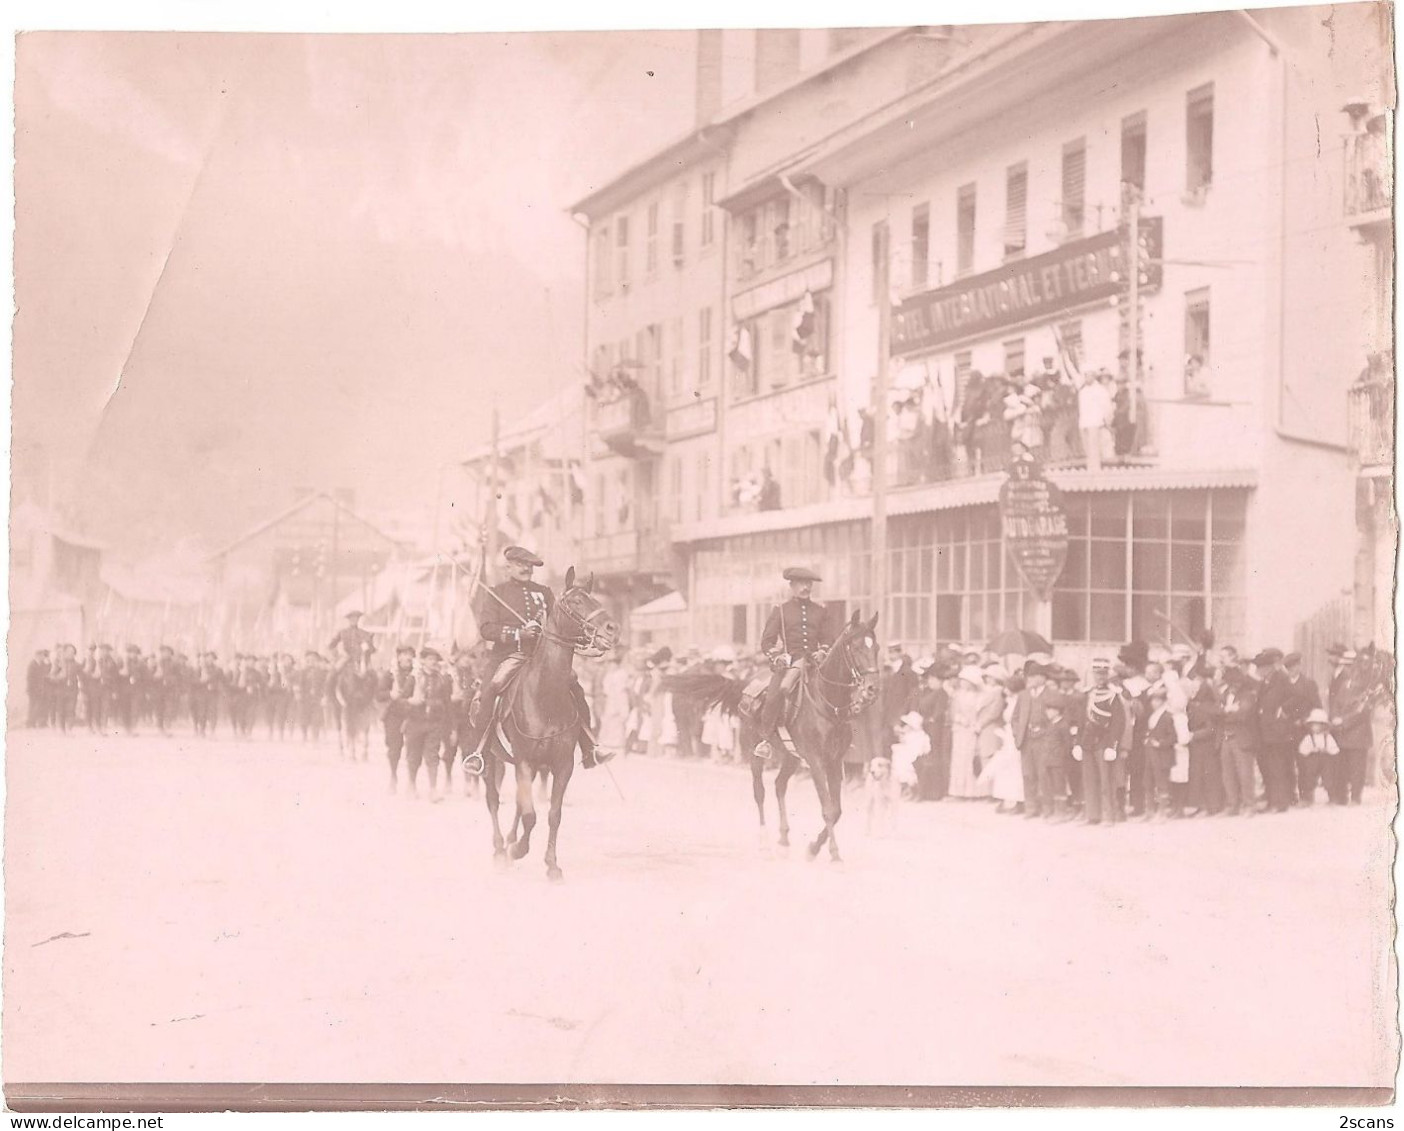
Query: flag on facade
[[1072, 367], [740, 352], [833, 429], [804, 325], [577, 483]]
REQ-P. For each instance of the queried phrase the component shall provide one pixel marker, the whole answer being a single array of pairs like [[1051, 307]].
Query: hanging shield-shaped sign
[[1035, 526]]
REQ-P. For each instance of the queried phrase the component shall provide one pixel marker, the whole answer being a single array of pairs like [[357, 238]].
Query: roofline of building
[[697, 143], [301, 504], [964, 75]]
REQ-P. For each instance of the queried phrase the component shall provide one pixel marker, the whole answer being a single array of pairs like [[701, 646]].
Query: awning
[[668, 604]]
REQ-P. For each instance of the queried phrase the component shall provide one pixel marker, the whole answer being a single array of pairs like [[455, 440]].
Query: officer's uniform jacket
[[350, 640], [1100, 721], [530, 601], [396, 689], [797, 627]]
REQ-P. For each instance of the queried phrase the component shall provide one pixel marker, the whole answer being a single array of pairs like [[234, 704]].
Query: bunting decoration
[[740, 352]]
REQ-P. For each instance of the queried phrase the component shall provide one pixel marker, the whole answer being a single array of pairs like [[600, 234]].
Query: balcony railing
[[941, 452], [771, 249], [1371, 419], [627, 425], [1367, 175], [625, 551]]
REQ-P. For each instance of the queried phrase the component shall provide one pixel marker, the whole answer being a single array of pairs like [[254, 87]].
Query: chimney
[[709, 74]]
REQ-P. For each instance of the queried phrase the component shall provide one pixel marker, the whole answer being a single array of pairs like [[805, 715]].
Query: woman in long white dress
[[965, 733], [1004, 772]]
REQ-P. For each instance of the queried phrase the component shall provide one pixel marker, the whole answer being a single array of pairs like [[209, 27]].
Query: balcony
[[1367, 177], [1370, 416], [624, 552], [986, 444], [626, 425], [777, 248]]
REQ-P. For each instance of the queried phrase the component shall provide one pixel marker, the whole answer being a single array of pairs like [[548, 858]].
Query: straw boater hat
[[913, 719], [1318, 716], [972, 675]]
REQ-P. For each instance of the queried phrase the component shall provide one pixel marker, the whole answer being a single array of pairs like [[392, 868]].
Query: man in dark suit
[[1036, 722], [1286, 698], [795, 633], [511, 619], [1350, 707], [36, 688]]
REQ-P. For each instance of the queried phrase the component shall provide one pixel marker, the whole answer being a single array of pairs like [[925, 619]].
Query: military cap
[[354, 613], [1267, 657], [1101, 664], [403, 648], [1336, 650], [1292, 660], [518, 555], [429, 654], [800, 573]]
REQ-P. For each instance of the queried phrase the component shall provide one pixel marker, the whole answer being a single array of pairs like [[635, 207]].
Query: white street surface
[[266, 912]]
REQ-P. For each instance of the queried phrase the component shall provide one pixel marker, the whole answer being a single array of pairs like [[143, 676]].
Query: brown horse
[[538, 717], [830, 695]]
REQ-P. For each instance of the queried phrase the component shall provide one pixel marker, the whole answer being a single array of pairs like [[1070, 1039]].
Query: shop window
[[921, 243], [965, 230], [1074, 187], [1133, 150], [1199, 139], [739, 633], [1016, 210]]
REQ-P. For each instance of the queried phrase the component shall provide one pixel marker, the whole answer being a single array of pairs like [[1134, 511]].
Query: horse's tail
[[707, 690]]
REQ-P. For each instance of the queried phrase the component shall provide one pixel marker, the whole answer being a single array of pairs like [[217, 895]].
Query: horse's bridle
[[859, 677], [588, 642]]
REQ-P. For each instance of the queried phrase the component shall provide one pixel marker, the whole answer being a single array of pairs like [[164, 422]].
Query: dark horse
[[830, 695], [353, 700], [537, 715]]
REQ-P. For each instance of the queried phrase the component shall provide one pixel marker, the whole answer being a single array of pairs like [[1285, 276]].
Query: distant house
[[279, 585]]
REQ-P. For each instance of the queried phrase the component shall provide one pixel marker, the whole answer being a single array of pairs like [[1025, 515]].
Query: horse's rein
[[854, 671], [588, 641]]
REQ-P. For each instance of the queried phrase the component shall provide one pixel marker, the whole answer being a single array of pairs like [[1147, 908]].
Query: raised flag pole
[[491, 543], [880, 407]]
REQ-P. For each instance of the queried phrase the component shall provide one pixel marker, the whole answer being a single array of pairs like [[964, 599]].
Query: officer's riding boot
[[770, 746], [485, 703], [590, 754]]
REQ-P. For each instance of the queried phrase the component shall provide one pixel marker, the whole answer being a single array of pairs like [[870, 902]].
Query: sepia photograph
[[697, 566]]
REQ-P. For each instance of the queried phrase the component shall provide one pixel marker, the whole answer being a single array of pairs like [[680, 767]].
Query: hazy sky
[[307, 258]]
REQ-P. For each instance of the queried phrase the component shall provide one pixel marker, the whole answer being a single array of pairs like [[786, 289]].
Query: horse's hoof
[[554, 874], [784, 841], [835, 859], [811, 851], [500, 857], [518, 850]]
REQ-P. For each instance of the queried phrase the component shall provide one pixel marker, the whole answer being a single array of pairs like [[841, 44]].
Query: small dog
[[881, 789]]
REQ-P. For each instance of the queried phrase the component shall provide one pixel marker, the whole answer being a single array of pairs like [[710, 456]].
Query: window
[[962, 374], [702, 496], [675, 488], [786, 347], [921, 243], [650, 354], [1142, 562], [704, 349], [1199, 138], [777, 57], [879, 251], [651, 245], [679, 247], [709, 189], [1133, 150], [676, 359], [1016, 210], [748, 250], [777, 226], [1014, 357], [744, 372], [965, 230], [1074, 186], [602, 262], [1197, 383], [621, 247]]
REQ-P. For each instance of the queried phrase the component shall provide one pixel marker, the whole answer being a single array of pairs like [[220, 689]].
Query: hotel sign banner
[[1073, 275], [1035, 526]]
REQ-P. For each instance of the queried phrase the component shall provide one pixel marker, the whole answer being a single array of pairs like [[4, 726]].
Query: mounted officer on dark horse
[[530, 709]]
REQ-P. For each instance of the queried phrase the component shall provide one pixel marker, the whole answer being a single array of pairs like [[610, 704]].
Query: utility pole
[[1133, 304], [879, 469], [491, 517]]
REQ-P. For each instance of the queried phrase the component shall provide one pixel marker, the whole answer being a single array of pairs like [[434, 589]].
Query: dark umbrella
[[1018, 642]]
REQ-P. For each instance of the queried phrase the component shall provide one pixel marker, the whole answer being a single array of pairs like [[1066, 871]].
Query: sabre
[[520, 619]]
